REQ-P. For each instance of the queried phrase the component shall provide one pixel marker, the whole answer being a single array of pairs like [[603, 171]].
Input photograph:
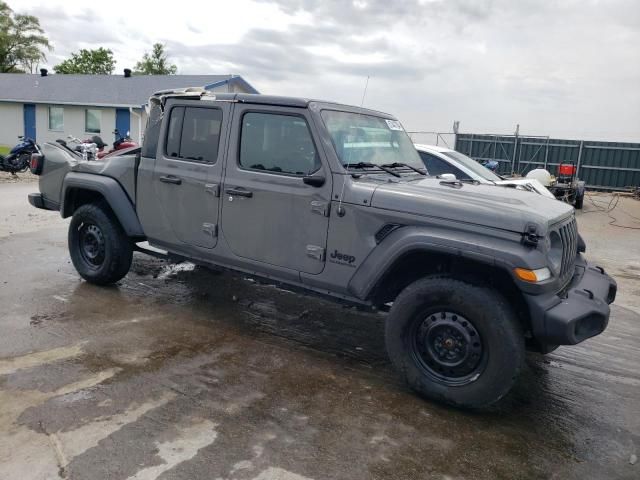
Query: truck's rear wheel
[[100, 250], [455, 342]]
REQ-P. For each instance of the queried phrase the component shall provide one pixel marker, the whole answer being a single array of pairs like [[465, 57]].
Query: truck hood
[[503, 208]]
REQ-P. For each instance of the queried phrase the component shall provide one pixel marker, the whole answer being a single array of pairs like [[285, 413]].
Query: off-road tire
[[449, 303], [110, 260]]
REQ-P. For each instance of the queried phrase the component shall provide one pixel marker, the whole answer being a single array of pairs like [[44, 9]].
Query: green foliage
[[4, 150], [22, 41], [156, 63], [95, 62]]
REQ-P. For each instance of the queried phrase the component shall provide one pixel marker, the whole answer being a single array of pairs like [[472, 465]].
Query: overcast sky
[[567, 68]]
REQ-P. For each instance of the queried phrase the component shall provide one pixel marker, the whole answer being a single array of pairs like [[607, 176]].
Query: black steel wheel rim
[[448, 348], [91, 244]]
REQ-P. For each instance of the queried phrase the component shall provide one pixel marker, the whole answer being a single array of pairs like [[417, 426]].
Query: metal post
[[579, 158], [546, 154], [515, 147], [495, 146]]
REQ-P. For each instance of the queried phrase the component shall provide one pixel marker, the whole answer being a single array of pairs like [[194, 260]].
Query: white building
[[48, 107]]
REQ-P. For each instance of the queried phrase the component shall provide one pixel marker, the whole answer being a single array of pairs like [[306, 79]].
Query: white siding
[[11, 123], [74, 123], [138, 124]]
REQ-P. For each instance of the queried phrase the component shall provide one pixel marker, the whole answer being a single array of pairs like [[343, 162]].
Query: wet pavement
[[182, 373]]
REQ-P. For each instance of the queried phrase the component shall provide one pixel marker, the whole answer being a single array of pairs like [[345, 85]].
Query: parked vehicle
[[565, 186], [19, 156], [334, 199], [122, 142], [441, 160], [87, 149]]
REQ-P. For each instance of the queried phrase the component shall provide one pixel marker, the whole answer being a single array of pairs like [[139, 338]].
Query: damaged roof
[[103, 90]]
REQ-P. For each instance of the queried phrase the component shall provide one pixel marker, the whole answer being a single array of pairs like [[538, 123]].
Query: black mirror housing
[[314, 180]]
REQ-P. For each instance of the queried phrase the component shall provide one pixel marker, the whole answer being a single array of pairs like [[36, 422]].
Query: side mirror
[[449, 177], [314, 180]]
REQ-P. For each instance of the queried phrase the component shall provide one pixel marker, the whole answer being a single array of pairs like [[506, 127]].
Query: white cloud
[[568, 68]]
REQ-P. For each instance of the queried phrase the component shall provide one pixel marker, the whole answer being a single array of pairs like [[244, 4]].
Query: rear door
[[188, 171], [269, 214]]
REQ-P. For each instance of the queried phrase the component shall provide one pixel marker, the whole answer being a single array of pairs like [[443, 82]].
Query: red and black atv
[[122, 142]]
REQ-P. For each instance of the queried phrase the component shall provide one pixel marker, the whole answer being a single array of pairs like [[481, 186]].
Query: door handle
[[238, 192], [171, 179]]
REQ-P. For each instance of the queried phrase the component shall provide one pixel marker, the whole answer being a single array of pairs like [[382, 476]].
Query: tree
[[22, 41], [156, 63], [95, 62]]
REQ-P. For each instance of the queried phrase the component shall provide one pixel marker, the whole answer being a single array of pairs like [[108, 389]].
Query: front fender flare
[[491, 250], [113, 194]]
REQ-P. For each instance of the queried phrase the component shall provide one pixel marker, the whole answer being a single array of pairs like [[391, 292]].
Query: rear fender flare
[[111, 191]]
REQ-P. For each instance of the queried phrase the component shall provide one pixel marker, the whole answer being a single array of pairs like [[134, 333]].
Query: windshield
[[359, 138], [472, 165]]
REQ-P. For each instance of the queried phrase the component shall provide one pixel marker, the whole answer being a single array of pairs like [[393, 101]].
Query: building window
[[56, 119], [92, 118]]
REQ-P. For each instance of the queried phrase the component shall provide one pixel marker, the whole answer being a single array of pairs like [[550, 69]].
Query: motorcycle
[[87, 149], [93, 148], [121, 142], [19, 157]]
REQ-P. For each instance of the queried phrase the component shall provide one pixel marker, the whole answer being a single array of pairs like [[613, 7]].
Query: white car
[[440, 161]]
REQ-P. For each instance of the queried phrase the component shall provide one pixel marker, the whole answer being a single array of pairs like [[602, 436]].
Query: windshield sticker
[[394, 125]]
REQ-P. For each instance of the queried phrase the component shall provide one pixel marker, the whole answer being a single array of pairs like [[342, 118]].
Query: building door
[[30, 120], [269, 214], [123, 121]]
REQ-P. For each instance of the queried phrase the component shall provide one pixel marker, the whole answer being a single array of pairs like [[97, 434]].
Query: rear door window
[[194, 134]]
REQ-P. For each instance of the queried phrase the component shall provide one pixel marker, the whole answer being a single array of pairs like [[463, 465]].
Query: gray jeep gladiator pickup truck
[[335, 200]]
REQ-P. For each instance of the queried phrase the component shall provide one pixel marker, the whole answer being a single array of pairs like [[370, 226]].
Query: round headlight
[[555, 251]]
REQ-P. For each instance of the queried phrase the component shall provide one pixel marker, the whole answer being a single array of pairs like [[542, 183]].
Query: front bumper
[[581, 311]]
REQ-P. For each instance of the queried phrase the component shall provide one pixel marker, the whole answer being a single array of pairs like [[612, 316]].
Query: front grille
[[568, 232]]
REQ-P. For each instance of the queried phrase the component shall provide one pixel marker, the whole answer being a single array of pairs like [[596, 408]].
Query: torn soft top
[[160, 97]]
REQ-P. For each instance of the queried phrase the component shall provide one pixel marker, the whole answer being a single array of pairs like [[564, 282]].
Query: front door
[[29, 111], [188, 171], [269, 214]]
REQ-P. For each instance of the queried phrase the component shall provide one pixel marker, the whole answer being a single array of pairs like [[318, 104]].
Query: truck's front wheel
[[100, 249], [455, 342]]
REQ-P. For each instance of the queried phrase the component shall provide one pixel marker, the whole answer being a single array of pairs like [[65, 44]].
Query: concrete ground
[[180, 373]]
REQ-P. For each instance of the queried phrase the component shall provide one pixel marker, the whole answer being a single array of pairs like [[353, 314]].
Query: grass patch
[[4, 150]]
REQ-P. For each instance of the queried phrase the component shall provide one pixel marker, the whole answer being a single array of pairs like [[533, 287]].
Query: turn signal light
[[532, 276]]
